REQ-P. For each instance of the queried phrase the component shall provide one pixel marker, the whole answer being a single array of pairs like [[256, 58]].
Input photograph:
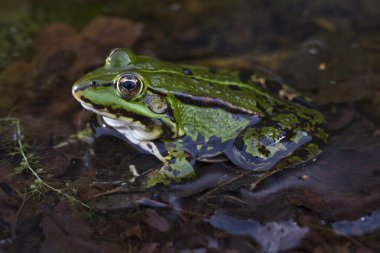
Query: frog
[[182, 114]]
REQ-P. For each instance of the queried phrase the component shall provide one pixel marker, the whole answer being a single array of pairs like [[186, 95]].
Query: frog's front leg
[[262, 146], [177, 166]]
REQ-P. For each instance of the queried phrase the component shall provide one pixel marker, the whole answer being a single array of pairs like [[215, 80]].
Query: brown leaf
[[64, 232], [156, 221], [112, 31], [149, 248]]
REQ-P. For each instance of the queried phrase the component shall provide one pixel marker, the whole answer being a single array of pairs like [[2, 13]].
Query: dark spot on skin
[[239, 144], [302, 153], [302, 122], [287, 135], [176, 173], [99, 107], [245, 75], [200, 139], [262, 109], [212, 70], [210, 85], [263, 150], [233, 87], [149, 146], [187, 72], [215, 140], [275, 124]]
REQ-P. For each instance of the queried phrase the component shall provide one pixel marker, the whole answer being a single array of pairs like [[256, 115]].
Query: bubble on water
[[314, 47]]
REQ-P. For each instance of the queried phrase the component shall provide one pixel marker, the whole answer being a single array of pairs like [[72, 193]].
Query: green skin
[[185, 113]]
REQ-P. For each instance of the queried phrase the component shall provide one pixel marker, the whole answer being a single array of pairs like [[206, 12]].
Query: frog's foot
[[175, 172], [261, 148]]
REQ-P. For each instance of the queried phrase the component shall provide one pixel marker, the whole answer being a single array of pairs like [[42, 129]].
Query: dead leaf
[[64, 232], [156, 221]]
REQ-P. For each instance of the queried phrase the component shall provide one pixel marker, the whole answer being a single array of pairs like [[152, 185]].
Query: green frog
[[182, 113]]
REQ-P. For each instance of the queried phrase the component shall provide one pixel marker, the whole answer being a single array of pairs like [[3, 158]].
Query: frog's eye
[[129, 86]]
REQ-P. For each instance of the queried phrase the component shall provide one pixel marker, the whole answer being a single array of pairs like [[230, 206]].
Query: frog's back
[[231, 89]]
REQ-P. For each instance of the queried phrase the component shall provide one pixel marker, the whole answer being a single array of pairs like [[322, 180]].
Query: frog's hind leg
[[263, 146], [252, 178]]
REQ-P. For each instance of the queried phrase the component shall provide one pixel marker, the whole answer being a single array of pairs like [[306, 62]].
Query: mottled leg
[[178, 167], [261, 147]]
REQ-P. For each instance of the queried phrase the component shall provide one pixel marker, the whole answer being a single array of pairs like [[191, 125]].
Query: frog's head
[[119, 91]]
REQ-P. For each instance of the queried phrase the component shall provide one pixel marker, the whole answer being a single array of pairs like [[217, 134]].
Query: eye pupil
[[129, 85]]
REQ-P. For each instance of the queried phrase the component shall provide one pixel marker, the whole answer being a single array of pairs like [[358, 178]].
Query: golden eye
[[129, 86]]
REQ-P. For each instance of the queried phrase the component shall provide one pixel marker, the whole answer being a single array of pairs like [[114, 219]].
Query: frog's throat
[[137, 134], [132, 130]]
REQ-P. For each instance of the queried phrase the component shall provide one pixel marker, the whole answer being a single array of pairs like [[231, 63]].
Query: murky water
[[61, 193]]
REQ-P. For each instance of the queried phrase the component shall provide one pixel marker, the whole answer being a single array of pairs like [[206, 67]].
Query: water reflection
[[271, 236], [364, 225]]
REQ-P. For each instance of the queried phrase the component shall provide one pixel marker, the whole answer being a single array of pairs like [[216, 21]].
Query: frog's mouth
[[133, 130]]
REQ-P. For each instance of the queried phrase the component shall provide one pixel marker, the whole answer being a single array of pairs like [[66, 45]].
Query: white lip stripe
[[113, 122]]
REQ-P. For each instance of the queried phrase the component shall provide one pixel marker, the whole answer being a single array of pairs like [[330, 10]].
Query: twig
[[19, 210], [29, 167]]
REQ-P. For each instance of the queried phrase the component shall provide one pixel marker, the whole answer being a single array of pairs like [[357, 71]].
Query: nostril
[[94, 84]]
